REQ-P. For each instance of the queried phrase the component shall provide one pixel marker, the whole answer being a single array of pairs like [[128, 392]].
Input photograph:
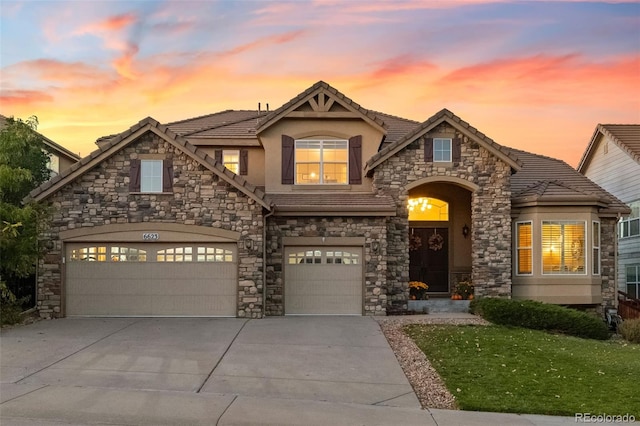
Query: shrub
[[540, 316], [10, 306], [630, 330]]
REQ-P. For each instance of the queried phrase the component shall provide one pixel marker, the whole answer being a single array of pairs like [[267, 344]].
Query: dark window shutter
[[428, 150], [134, 175], [244, 161], [167, 176], [218, 156], [288, 148], [456, 150], [355, 160]]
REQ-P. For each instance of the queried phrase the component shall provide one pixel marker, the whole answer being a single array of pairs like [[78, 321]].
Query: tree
[[23, 160], [23, 167]]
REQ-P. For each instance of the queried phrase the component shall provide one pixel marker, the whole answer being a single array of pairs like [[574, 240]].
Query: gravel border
[[426, 382]]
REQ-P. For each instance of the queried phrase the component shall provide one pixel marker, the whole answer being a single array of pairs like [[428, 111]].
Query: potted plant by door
[[418, 290]]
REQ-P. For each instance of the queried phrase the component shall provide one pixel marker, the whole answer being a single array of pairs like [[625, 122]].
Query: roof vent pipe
[[267, 107], [259, 112]]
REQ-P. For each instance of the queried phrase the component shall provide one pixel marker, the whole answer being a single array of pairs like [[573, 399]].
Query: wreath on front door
[[415, 242], [436, 241]]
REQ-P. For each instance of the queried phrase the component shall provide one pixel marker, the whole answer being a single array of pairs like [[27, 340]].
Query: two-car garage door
[[151, 279], [323, 280]]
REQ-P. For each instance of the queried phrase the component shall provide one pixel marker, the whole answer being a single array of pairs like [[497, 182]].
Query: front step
[[438, 305]]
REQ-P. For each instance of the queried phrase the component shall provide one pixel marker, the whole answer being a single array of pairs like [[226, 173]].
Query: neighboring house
[[318, 207], [60, 158], [612, 160]]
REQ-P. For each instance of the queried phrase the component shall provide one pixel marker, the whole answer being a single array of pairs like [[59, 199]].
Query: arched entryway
[[440, 234]]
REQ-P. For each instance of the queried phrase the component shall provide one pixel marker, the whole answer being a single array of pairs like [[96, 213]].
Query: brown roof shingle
[[548, 179], [345, 203]]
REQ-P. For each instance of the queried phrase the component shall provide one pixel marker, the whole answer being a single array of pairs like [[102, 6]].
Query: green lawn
[[503, 369]]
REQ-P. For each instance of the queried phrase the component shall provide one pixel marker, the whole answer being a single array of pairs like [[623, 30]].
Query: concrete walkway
[[176, 371]]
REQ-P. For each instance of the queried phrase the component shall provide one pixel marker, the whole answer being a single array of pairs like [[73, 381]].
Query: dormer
[[317, 141]]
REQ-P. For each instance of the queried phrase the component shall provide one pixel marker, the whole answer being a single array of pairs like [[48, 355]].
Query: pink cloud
[[112, 23], [541, 79], [24, 98], [57, 71]]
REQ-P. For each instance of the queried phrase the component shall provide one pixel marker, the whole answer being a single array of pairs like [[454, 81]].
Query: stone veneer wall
[[101, 197], [372, 229], [608, 235], [490, 213]]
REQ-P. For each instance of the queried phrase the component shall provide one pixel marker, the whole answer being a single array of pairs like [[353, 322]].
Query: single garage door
[[151, 279], [323, 281]]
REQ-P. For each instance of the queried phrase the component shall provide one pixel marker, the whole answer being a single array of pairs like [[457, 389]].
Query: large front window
[[563, 247], [321, 161]]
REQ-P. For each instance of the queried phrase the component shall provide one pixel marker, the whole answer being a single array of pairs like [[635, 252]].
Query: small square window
[[231, 160], [442, 150], [151, 176]]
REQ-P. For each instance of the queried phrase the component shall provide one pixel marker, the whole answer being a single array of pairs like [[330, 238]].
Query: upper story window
[[630, 226], [236, 160], [231, 159], [321, 161], [563, 247], [150, 175], [442, 150]]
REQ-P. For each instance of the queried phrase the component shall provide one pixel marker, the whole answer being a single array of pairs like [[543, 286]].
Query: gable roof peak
[[307, 95], [127, 137], [433, 121], [625, 136]]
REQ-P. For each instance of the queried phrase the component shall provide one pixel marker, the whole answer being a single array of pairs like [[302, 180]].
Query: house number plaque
[[150, 236]]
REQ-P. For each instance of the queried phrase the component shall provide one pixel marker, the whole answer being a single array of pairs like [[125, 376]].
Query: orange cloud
[[124, 64]]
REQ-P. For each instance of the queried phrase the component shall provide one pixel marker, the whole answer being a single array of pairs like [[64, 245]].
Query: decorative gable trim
[[321, 101], [458, 124], [131, 135]]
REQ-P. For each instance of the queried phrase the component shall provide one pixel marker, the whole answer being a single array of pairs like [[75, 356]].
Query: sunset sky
[[533, 75]]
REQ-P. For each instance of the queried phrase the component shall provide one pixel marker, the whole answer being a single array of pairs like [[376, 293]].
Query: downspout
[[615, 265], [264, 260]]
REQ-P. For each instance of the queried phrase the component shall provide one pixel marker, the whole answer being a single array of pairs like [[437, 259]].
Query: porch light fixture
[[248, 244], [375, 246], [465, 230]]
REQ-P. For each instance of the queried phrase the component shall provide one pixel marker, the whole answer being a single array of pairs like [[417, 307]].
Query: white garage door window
[[323, 281], [127, 279]]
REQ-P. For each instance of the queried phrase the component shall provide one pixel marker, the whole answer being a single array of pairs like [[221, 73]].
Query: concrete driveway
[[285, 370]]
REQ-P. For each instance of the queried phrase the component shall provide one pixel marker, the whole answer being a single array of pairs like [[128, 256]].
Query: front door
[[429, 258]]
